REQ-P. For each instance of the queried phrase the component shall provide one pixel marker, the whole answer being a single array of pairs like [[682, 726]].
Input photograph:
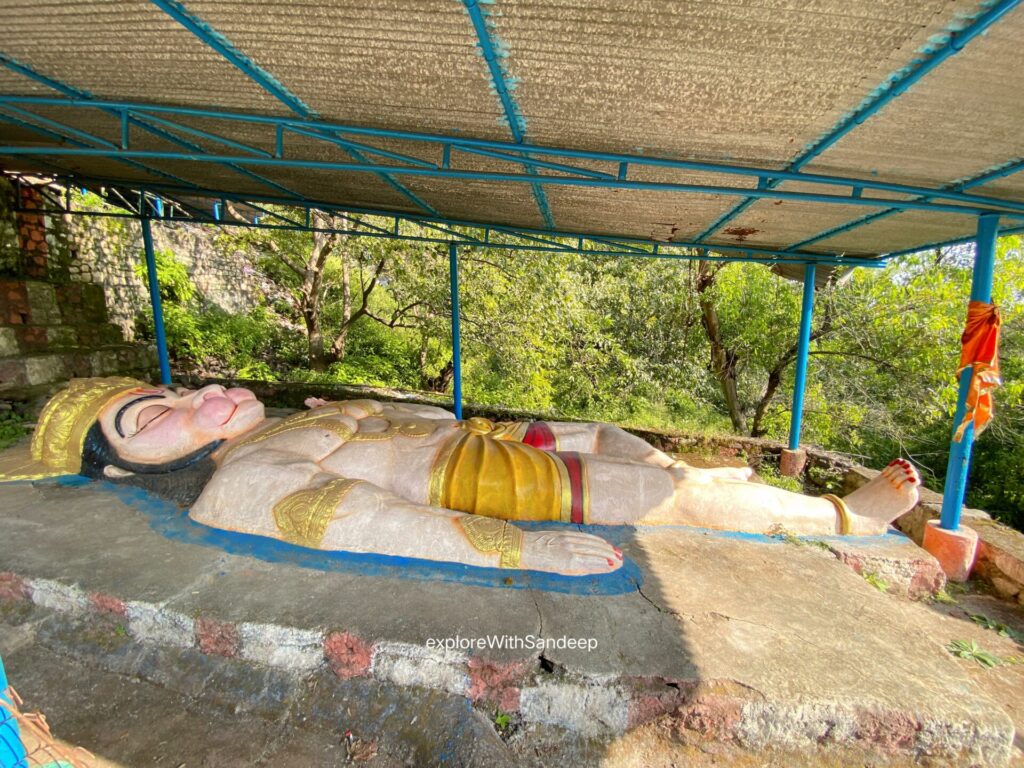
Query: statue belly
[[398, 464]]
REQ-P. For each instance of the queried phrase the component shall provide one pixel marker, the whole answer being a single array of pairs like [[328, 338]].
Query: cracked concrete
[[795, 648]]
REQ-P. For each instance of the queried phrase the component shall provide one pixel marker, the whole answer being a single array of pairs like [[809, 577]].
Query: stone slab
[[759, 642]]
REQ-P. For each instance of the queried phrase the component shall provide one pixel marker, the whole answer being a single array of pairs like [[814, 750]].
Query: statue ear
[[116, 472]]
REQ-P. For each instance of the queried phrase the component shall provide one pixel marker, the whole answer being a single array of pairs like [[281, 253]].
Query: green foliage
[[175, 284], [968, 649], [943, 596], [876, 581], [12, 428], [998, 627], [204, 337], [502, 720], [771, 475]]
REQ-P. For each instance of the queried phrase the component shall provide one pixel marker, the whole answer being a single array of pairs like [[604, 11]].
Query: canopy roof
[[833, 130]]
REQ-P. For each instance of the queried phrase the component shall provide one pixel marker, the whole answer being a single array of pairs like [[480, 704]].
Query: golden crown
[[64, 422]]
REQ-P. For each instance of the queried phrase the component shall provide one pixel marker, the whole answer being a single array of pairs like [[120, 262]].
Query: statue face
[[158, 425]]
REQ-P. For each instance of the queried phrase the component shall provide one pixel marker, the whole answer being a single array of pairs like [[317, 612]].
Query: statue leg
[[624, 493], [608, 440]]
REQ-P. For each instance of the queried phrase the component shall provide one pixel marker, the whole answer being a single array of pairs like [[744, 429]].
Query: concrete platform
[[763, 644]]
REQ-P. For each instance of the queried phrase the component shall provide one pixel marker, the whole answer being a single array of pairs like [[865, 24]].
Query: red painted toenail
[[610, 562]]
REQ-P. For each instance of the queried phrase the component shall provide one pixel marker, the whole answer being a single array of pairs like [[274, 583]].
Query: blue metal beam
[[1004, 169], [568, 243], [446, 144], [1002, 207], [960, 451], [265, 80], [453, 276], [802, 353], [70, 139], [895, 86], [154, 297], [223, 46], [516, 123], [127, 119], [947, 243]]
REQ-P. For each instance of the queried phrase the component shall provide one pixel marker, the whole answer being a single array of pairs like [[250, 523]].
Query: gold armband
[[302, 517], [487, 534], [845, 523]]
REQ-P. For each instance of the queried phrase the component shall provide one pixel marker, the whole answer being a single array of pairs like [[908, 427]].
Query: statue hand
[[315, 402], [568, 552]]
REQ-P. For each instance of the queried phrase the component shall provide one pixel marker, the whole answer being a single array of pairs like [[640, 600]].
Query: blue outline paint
[[173, 523]]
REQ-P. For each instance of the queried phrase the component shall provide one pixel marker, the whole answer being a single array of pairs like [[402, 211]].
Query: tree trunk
[[723, 361], [442, 381], [317, 359], [312, 295], [340, 345]]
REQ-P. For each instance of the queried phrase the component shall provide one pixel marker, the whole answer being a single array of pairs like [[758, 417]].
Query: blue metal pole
[[154, 297], [802, 350], [453, 274], [960, 452]]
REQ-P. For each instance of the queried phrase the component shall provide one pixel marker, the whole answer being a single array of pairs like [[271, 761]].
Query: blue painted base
[[174, 523]]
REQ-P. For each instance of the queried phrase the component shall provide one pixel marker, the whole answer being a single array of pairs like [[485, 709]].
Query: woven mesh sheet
[[744, 82]]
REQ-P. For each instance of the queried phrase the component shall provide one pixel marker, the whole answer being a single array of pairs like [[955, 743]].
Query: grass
[[999, 628], [942, 596], [968, 649], [12, 428], [876, 581], [502, 720], [770, 474]]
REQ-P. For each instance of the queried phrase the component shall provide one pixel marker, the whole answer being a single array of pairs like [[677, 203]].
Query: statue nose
[[204, 394]]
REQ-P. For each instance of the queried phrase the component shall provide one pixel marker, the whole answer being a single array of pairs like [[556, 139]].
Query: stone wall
[[51, 327], [106, 251]]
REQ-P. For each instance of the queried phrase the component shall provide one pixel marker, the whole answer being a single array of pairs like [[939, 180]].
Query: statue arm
[[295, 500]]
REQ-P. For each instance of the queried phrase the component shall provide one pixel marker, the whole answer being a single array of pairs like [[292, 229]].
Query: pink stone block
[[217, 638], [791, 463], [888, 731], [13, 587], [497, 682], [108, 604], [955, 550], [348, 655], [715, 717]]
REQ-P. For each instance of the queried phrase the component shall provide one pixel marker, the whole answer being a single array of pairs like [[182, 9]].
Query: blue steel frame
[[154, 297], [920, 198], [960, 452], [453, 276], [468, 233], [149, 118], [897, 85], [802, 352]]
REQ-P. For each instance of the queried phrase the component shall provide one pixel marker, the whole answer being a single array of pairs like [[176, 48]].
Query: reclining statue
[[412, 481]]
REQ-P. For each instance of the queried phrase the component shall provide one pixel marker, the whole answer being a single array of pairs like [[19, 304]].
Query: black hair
[[179, 481]]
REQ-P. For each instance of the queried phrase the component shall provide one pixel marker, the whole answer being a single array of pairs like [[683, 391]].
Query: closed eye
[[148, 415]]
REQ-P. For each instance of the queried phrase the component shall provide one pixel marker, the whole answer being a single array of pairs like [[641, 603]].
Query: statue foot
[[885, 498], [570, 553]]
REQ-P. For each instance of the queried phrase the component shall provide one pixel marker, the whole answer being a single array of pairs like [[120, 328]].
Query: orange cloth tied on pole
[[980, 352]]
